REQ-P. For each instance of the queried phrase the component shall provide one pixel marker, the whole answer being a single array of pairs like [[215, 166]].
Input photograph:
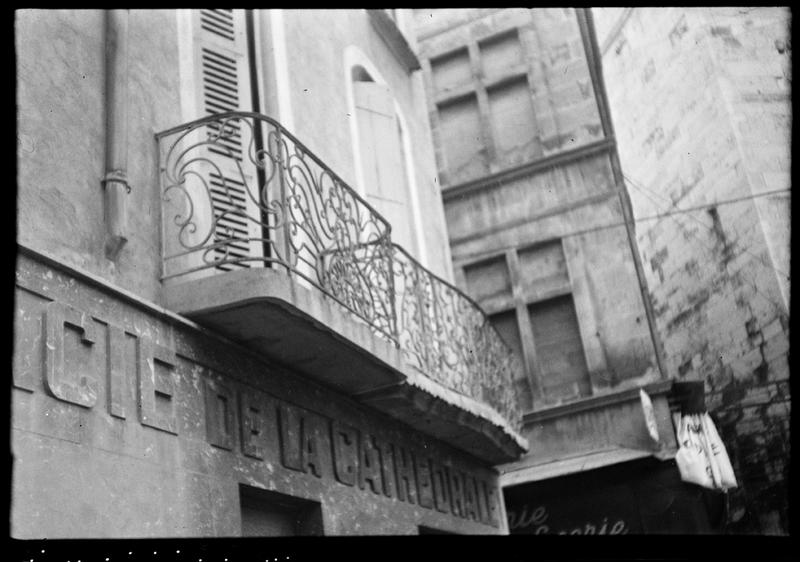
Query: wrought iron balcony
[[240, 192]]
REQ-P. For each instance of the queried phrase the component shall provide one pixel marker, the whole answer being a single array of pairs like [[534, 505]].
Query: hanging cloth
[[702, 458]]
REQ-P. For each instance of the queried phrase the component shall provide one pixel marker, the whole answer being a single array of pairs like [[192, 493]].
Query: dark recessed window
[[271, 514]]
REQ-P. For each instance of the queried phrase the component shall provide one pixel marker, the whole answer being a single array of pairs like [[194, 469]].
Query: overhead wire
[[709, 249]]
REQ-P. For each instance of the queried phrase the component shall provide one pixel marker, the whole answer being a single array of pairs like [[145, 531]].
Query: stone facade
[[131, 420], [149, 426], [539, 226], [701, 105], [536, 191]]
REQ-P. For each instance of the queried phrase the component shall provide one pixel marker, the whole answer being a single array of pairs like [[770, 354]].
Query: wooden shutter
[[382, 159], [559, 350], [223, 78]]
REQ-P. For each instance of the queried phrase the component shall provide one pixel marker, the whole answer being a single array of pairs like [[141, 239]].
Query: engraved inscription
[[289, 422], [116, 371], [307, 442], [300, 439], [252, 413], [312, 433], [370, 466], [387, 464], [441, 495], [491, 503], [82, 392], [219, 415], [470, 498], [424, 484], [404, 472], [156, 372], [345, 451], [456, 492]]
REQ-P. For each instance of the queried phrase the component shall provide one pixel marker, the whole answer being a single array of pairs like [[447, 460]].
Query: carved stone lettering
[[312, 435], [441, 495], [252, 413], [289, 422], [301, 436], [116, 371], [491, 503], [424, 484], [369, 466], [480, 500], [156, 372], [23, 371], [456, 491], [220, 416], [345, 453], [404, 474], [470, 498], [387, 466], [75, 388]]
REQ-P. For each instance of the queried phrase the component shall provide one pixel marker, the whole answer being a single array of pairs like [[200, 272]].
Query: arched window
[[385, 164]]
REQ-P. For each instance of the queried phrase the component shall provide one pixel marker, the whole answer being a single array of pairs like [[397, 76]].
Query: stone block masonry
[[166, 422], [718, 272]]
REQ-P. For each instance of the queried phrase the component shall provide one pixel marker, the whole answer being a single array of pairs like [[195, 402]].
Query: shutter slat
[[223, 74]]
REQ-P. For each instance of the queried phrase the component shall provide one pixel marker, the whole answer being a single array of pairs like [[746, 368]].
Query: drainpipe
[[593, 59], [115, 180]]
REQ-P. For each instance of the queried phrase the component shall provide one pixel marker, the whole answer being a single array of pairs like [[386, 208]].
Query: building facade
[[701, 103], [542, 236], [226, 320]]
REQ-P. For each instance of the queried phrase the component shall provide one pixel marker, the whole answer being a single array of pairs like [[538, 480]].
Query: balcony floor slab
[[298, 326]]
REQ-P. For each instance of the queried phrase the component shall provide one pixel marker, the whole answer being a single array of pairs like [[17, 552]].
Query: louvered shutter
[[222, 74], [383, 162]]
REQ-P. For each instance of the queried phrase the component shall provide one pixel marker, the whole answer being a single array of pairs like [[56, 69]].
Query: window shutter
[[383, 161], [557, 338], [223, 72]]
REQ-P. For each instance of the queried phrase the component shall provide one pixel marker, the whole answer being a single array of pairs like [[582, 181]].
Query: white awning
[[578, 463]]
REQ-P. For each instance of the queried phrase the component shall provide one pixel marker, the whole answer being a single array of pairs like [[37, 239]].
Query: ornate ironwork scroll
[[238, 205], [449, 338], [232, 202]]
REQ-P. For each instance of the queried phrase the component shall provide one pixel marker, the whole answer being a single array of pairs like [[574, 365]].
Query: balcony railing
[[240, 191]]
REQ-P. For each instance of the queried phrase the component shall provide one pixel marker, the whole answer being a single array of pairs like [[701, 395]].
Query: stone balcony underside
[[276, 315]]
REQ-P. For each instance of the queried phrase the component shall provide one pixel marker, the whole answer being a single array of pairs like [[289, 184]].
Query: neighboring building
[[701, 104], [541, 236], [214, 333]]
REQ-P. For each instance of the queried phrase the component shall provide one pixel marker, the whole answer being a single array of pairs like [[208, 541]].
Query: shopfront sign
[[88, 361], [536, 519], [548, 508]]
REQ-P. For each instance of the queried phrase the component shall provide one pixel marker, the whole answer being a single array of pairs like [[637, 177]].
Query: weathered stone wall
[[700, 103], [318, 86], [116, 431], [61, 123], [128, 422], [61, 146], [572, 201], [575, 203]]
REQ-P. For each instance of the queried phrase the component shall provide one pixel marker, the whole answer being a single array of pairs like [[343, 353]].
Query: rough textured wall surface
[[576, 204], [318, 88], [62, 138], [133, 425], [700, 103], [552, 94], [572, 202]]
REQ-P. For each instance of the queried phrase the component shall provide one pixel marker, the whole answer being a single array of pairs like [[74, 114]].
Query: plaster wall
[[61, 138], [136, 425], [61, 128], [577, 204], [700, 100], [322, 117]]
